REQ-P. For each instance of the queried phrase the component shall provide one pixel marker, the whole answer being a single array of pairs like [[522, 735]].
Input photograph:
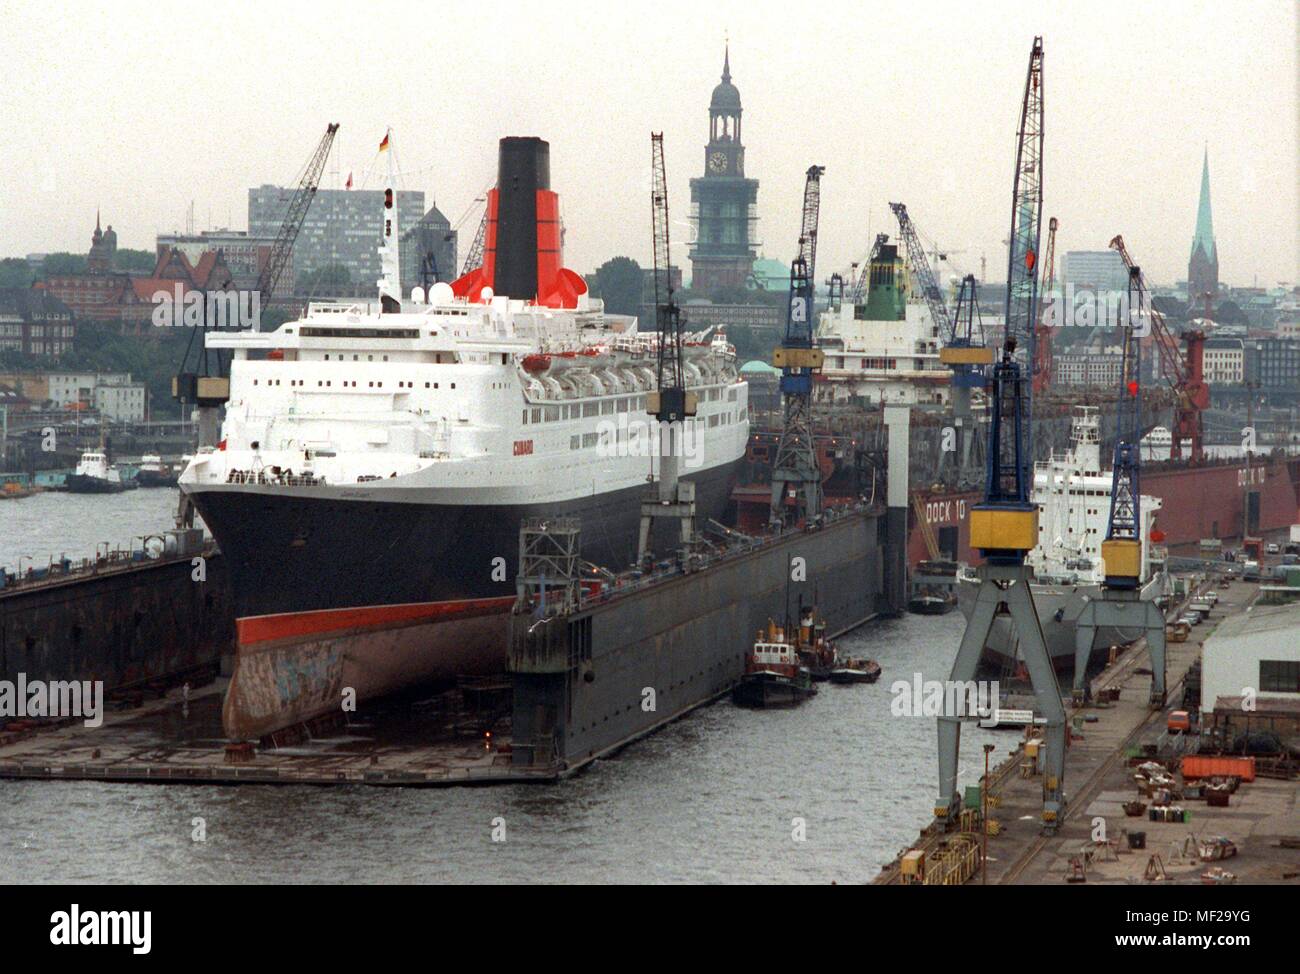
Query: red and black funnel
[[521, 253]]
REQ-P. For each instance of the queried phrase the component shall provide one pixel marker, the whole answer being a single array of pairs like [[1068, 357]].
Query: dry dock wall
[[603, 675], [135, 624]]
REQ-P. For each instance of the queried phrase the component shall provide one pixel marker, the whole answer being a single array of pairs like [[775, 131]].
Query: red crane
[[1185, 375]]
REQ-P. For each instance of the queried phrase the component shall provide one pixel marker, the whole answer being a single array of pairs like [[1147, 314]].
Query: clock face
[[718, 162]]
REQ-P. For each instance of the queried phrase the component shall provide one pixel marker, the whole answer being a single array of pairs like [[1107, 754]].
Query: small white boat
[[95, 475]]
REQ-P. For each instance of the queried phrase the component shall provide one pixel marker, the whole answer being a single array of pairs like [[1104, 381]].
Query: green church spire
[[1204, 238]]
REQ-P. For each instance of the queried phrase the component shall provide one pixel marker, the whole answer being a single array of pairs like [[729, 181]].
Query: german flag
[[383, 146]]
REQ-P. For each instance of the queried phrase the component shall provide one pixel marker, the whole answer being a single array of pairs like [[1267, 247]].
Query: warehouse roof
[[1260, 619]]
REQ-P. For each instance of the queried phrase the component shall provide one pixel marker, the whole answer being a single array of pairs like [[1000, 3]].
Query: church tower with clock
[[723, 202]]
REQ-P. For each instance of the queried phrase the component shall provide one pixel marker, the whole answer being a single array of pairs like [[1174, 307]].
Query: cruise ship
[[1073, 496], [375, 461]]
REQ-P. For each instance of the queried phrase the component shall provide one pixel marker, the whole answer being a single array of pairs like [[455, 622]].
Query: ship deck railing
[[110, 560]]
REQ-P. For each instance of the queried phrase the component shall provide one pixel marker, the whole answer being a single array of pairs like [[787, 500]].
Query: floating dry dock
[[583, 682]]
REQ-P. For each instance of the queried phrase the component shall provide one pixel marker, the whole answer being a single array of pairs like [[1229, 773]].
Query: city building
[[771, 275], [432, 236], [1094, 270], [113, 394], [1273, 364], [1225, 361], [107, 296], [766, 320], [341, 233], [34, 322], [1087, 368], [244, 254], [724, 203], [103, 248], [1203, 265]]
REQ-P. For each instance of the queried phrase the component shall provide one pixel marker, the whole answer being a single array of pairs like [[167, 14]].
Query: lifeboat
[[536, 364]]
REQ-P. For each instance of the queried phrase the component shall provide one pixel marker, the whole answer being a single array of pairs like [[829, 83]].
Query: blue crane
[[1004, 526], [797, 358]]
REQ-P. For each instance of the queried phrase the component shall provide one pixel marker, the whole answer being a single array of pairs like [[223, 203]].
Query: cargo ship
[[376, 461]]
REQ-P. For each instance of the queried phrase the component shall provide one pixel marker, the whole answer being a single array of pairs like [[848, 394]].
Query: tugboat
[[95, 475], [856, 671], [154, 473], [816, 652], [773, 675]]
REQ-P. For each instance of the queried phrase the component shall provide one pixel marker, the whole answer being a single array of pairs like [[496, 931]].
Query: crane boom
[[474, 258], [860, 286], [1042, 326], [670, 377], [1191, 394], [921, 268], [294, 216], [1011, 450], [670, 404]]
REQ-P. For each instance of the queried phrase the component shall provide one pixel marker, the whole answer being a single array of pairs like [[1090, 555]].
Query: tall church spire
[[1204, 237], [726, 64], [1203, 265]]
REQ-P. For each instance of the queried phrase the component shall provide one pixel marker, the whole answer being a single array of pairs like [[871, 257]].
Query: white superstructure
[[94, 465], [451, 401], [894, 361], [1073, 496]]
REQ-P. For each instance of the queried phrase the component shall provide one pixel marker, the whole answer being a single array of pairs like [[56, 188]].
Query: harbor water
[[824, 792]]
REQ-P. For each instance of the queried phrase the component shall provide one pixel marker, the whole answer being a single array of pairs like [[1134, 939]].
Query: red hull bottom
[[296, 667]]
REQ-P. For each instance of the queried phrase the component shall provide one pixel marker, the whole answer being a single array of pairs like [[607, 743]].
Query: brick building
[[34, 322]]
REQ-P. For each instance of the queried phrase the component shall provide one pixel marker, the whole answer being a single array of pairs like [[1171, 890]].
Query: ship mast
[[390, 280]]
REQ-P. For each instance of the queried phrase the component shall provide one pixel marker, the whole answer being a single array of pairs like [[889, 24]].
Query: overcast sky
[[139, 108]]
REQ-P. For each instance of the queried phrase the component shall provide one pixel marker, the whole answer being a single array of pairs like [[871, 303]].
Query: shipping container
[[1211, 766]]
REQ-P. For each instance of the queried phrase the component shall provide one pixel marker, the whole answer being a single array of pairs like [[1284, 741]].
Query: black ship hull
[[378, 596], [81, 484]]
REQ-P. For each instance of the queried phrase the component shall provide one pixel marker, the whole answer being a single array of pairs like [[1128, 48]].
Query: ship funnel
[[523, 176], [522, 254]]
